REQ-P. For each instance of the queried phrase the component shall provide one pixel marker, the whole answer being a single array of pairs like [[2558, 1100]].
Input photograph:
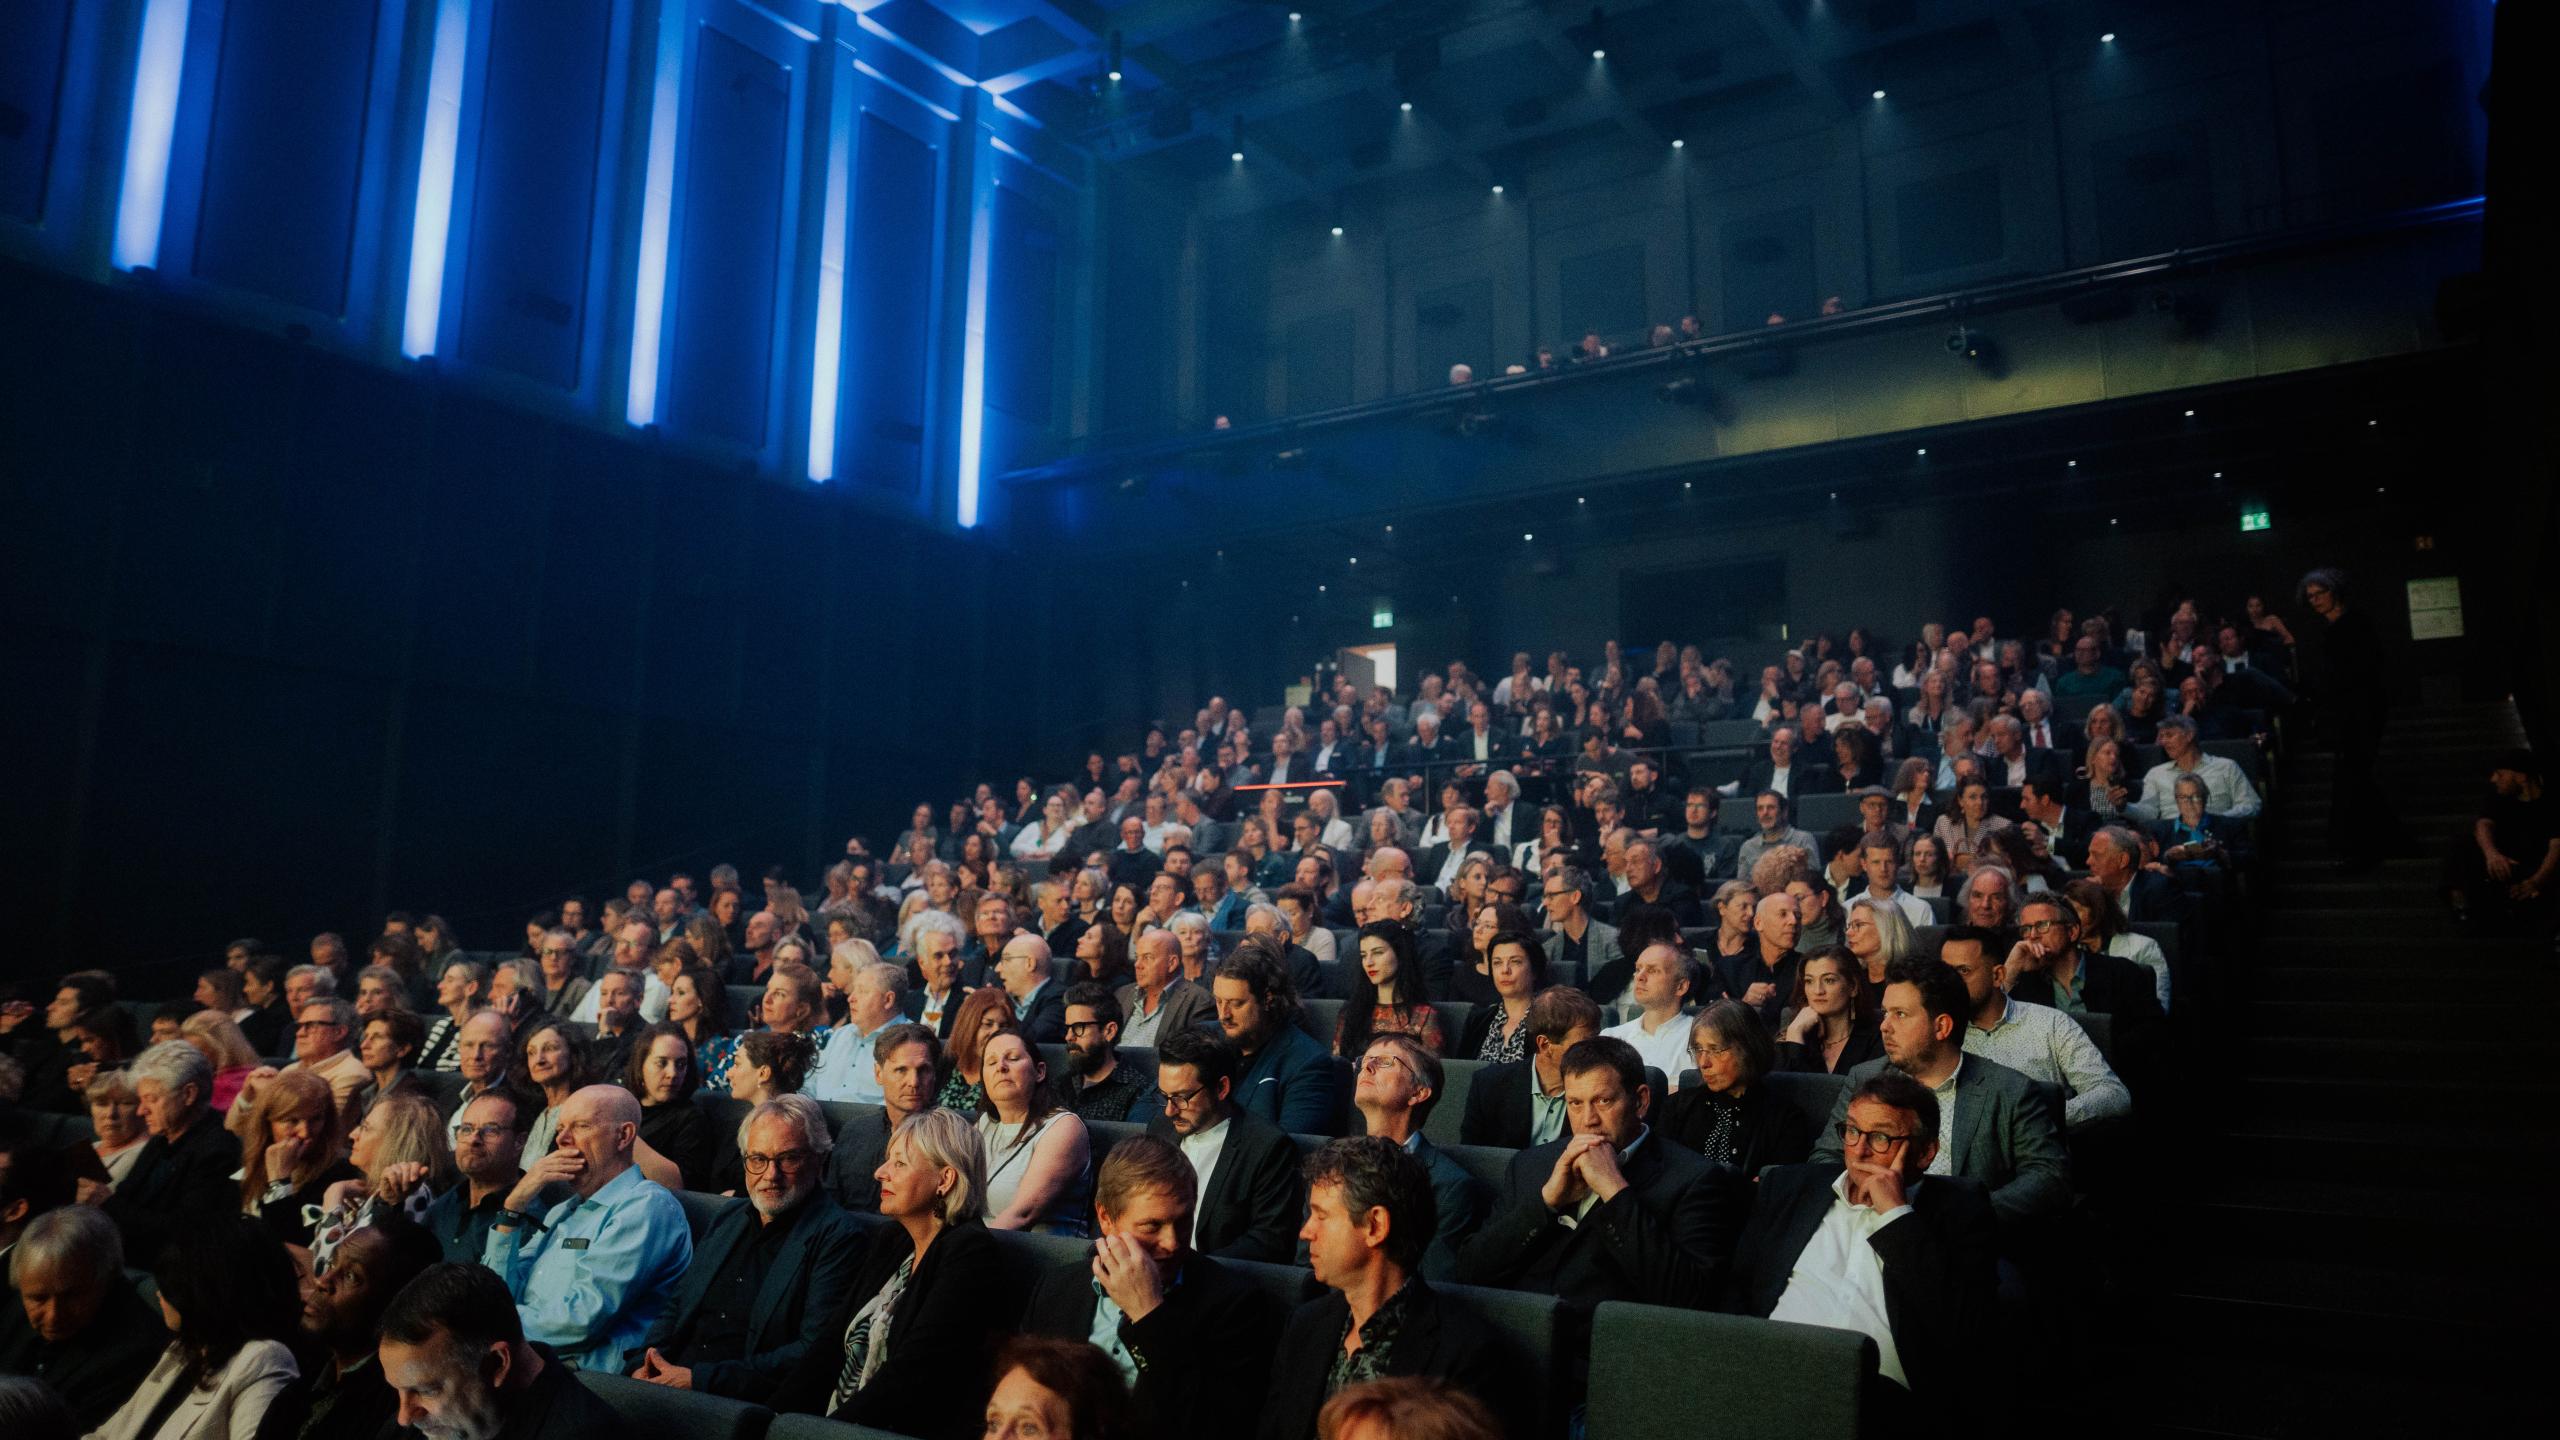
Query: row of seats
[[1650, 1367]]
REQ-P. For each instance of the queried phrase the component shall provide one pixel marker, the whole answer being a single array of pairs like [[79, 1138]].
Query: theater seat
[[843, 1113], [810, 1427], [700, 1209], [1449, 1113], [1527, 1341], [654, 1412], [1822, 814], [1290, 1285], [1028, 1255], [1488, 1163], [1664, 1374], [1323, 1016], [1103, 1134], [1811, 1096], [746, 1005], [726, 1113], [2101, 1030]]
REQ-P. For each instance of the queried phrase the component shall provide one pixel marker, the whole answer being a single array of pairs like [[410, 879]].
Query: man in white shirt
[[1882, 863], [1660, 1030], [2227, 790], [2038, 1041], [1250, 1198], [876, 1000], [632, 952], [1867, 1244]]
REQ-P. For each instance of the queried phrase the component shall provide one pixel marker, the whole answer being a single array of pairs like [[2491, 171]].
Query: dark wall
[[290, 640]]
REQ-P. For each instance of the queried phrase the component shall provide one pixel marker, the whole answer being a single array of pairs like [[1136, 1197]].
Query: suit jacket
[[1046, 1022], [356, 1407], [1695, 862], [1441, 1338], [913, 1005], [941, 1337], [233, 1404], [860, 1147], [2124, 991], [1671, 895], [1254, 1202], [1290, 1084], [94, 1370], [1204, 1355], [803, 1288], [1658, 1243], [2006, 1138], [1772, 1133], [1939, 1270], [1803, 778], [176, 1188], [265, 1029], [2042, 766], [1600, 953], [1461, 1201], [2070, 840], [1186, 1007], [1498, 1112], [2151, 896]]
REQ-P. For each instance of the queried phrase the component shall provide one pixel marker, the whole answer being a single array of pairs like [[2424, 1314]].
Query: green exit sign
[[2255, 520], [1382, 618]]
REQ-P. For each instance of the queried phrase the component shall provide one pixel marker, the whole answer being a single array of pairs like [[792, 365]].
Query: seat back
[[1323, 1017], [842, 1115], [1822, 814], [1811, 1096], [1488, 1163], [746, 1005], [700, 1209], [1449, 1113], [1529, 1340], [1455, 1016], [1925, 939], [1656, 1371], [810, 1427], [658, 1412], [726, 1113], [1103, 1134], [2101, 1030]]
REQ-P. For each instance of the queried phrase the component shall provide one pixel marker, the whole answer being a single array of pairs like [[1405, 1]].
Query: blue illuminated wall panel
[[540, 122], [888, 307], [284, 148], [728, 271], [1022, 306], [35, 41]]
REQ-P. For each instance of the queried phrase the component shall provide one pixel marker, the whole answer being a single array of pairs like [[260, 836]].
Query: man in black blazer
[[772, 1268], [2067, 827], [1370, 1216], [2115, 861], [1039, 996], [1822, 1237], [1198, 1334], [1613, 1212], [938, 970], [1784, 770], [908, 1067], [184, 1175], [97, 1340], [1520, 1103], [1441, 862], [2043, 732], [1250, 1199]]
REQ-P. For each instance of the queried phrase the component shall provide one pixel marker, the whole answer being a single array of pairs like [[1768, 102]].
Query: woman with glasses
[[1728, 1116], [1038, 1156]]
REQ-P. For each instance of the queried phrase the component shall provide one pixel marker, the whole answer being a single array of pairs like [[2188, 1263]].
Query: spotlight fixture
[[1877, 96], [1679, 144], [2107, 39], [1337, 232], [1406, 107]]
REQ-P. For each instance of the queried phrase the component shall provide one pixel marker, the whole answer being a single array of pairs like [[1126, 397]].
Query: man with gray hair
[[772, 1269], [934, 938], [185, 1176], [75, 1323], [876, 1000], [303, 983], [1039, 1001], [598, 1272], [2227, 791]]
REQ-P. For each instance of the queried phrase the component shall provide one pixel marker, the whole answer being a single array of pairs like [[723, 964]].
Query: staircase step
[[2392, 1016], [2455, 1055]]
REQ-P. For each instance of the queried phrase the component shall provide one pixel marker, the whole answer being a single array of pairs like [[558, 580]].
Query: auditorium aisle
[[2362, 1234]]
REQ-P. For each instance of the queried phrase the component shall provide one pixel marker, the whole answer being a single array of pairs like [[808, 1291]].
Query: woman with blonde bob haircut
[[219, 1039], [908, 1352]]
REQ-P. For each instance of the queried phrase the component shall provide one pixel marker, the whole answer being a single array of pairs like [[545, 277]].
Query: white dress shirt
[[1666, 1049], [1203, 1149], [653, 1001], [2045, 1044], [1838, 1282]]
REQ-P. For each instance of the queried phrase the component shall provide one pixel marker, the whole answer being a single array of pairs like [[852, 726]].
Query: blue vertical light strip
[[158, 61], [431, 225], [826, 366], [973, 333], [657, 204]]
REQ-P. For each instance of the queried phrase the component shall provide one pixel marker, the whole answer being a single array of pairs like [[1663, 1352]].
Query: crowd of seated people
[[712, 1139]]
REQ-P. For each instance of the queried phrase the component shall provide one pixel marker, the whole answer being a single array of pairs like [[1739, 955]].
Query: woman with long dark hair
[[232, 1300], [663, 1073], [1386, 992]]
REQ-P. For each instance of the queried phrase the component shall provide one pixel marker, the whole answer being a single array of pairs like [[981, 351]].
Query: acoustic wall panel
[[35, 45], [728, 266], [1952, 221], [888, 306], [284, 149], [1767, 263], [1602, 290], [1319, 360], [527, 265], [1453, 324], [1022, 307], [2154, 190]]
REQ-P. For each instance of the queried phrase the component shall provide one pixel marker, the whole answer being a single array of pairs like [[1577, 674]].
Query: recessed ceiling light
[[1525, 535], [1407, 106], [1497, 189], [2191, 414], [1337, 231], [1923, 450], [1878, 95], [1599, 54], [1679, 144], [2107, 39]]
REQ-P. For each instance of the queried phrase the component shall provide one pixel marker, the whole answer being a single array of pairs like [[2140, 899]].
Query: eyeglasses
[[1181, 1099], [1710, 1052], [2038, 927], [1380, 1064], [1853, 1138], [788, 1160], [1078, 1027], [317, 1025], [481, 1132]]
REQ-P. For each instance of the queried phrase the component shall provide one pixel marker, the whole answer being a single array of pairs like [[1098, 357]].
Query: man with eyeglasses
[[1995, 1127], [1039, 1001], [1250, 1198], [771, 1271], [1098, 1086], [591, 1274], [1872, 1242], [1574, 938], [2049, 966], [1400, 1083], [2036, 1040], [322, 1031], [488, 1148]]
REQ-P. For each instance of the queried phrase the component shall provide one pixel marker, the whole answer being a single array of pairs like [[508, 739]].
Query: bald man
[[591, 1249], [1039, 1001]]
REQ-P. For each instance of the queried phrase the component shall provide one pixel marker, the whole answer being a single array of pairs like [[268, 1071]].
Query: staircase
[[2353, 1230]]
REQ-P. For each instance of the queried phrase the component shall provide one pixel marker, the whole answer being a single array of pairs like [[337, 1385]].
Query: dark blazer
[[2123, 990], [1306, 972], [1426, 871], [1254, 1202], [1940, 1276], [1204, 1356], [2006, 1138], [1865, 1043], [860, 1147], [1441, 1338], [2152, 896], [1498, 1110], [175, 1188], [1290, 1084], [1186, 1007], [361, 1405], [264, 1029], [95, 1371], [1673, 896], [2041, 766], [941, 1338], [913, 1005], [1694, 862], [803, 1289], [1771, 1133], [682, 1133], [1046, 1024], [1803, 778], [1658, 1243], [2071, 842], [1461, 1201]]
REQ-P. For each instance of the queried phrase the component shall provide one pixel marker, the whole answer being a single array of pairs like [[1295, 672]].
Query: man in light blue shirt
[[874, 999], [594, 1271]]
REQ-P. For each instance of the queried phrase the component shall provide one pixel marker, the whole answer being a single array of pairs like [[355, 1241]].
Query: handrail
[[2002, 294]]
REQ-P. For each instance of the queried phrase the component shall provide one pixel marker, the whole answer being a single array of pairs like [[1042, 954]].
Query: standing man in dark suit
[[2003, 1135], [1191, 1337], [1612, 1212], [1247, 1171], [770, 1271], [1825, 1238], [907, 1063], [1400, 1081], [1520, 1103], [1369, 1220]]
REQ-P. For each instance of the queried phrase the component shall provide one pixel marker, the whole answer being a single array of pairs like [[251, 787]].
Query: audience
[[1037, 1152], [488, 1134], [230, 1301], [186, 1176], [1249, 1200], [1386, 993], [905, 1063], [341, 1394], [1098, 1086], [457, 1359], [1285, 1077], [1400, 1082], [660, 1072], [75, 1321], [1050, 1389], [1521, 1103], [2037, 1041], [1728, 1116]]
